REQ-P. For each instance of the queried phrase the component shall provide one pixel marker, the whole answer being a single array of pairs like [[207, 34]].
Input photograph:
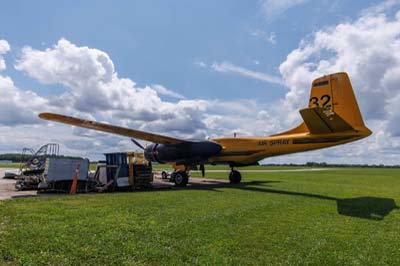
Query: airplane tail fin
[[332, 107]]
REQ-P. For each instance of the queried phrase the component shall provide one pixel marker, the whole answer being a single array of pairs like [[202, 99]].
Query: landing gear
[[180, 178], [235, 177]]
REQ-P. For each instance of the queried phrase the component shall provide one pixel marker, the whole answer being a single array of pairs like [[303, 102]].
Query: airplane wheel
[[235, 177], [164, 175], [181, 179]]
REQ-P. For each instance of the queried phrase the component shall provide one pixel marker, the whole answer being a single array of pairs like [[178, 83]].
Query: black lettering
[[328, 99], [325, 99], [314, 101], [279, 142], [262, 143]]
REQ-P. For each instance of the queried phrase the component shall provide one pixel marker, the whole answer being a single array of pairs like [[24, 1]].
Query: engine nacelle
[[183, 152]]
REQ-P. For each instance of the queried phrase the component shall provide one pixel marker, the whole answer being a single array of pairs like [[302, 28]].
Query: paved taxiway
[[7, 187]]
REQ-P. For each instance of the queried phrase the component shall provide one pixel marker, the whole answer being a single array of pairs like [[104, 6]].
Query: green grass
[[10, 165], [334, 217]]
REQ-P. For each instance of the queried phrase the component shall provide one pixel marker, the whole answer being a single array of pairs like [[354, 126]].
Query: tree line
[[17, 157], [324, 164]]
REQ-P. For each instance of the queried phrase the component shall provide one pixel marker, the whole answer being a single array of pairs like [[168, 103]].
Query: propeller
[[140, 146], [203, 171], [137, 143]]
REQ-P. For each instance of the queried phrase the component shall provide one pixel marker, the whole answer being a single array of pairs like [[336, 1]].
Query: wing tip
[[43, 115], [50, 116], [46, 116]]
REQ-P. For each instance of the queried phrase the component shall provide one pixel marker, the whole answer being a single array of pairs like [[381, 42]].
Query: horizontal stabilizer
[[110, 128], [321, 121]]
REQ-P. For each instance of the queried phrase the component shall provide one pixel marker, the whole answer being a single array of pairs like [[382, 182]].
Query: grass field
[[332, 217], [9, 165]]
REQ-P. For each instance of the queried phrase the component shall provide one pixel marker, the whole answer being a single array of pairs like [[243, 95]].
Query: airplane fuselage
[[249, 150]]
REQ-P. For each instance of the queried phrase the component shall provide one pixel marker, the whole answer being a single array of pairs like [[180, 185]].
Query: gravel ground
[[7, 189]]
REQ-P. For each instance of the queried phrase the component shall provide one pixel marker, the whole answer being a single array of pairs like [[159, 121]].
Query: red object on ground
[[75, 181]]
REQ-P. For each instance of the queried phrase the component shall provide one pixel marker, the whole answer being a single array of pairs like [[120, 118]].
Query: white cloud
[[274, 8], [269, 37], [4, 48], [164, 91], [95, 88], [381, 7], [201, 64], [67, 64], [13, 139], [369, 50], [18, 106], [245, 117], [226, 67], [95, 91]]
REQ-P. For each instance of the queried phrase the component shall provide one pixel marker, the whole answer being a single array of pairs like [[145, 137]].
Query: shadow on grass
[[372, 208], [366, 207]]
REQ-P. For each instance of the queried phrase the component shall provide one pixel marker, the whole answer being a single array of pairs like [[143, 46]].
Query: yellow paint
[[327, 123], [177, 167]]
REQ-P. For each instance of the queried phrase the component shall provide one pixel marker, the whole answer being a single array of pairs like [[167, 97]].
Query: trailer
[[59, 174]]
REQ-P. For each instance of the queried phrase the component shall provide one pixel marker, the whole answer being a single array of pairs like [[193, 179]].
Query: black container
[[118, 159]]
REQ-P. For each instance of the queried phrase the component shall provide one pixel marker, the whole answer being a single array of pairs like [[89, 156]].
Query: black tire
[[172, 177], [235, 177], [181, 178], [164, 175]]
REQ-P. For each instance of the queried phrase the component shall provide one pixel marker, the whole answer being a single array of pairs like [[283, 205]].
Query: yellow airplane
[[332, 118]]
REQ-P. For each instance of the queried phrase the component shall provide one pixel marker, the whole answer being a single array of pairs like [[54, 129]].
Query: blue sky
[[230, 60], [158, 41]]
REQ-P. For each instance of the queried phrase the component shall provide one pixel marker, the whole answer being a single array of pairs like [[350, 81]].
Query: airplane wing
[[110, 128]]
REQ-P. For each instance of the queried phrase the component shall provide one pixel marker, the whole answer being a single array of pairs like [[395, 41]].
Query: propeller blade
[[137, 143], [203, 170]]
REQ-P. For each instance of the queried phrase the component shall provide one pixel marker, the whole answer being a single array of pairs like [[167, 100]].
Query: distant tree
[[17, 158]]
